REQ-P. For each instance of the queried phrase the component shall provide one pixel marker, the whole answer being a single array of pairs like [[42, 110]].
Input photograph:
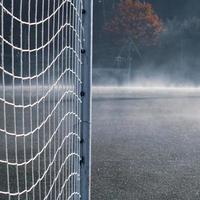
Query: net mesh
[[40, 103]]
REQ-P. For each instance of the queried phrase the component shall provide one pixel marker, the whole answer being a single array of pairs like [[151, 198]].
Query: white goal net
[[40, 99]]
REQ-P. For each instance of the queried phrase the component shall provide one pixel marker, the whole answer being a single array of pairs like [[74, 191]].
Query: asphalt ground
[[146, 144]]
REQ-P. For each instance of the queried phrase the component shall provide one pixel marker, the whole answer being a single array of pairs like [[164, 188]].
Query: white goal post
[[45, 99]]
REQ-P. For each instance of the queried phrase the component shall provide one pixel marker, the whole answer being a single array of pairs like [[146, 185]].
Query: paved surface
[[146, 144]]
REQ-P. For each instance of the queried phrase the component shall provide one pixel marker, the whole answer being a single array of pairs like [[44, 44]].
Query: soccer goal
[[45, 99]]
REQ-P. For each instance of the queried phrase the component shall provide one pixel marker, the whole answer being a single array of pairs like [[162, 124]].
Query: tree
[[134, 23], [134, 20]]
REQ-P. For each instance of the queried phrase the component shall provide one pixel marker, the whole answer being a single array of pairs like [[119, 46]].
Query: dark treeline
[[176, 56]]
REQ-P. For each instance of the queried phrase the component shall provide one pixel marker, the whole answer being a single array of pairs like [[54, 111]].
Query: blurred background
[[173, 60], [145, 137]]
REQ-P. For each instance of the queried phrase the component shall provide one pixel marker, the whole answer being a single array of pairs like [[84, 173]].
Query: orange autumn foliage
[[136, 20]]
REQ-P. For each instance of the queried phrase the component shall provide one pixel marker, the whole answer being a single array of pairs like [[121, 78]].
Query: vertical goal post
[[87, 99]]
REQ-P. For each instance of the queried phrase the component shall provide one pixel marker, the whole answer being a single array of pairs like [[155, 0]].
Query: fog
[[173, 61]]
